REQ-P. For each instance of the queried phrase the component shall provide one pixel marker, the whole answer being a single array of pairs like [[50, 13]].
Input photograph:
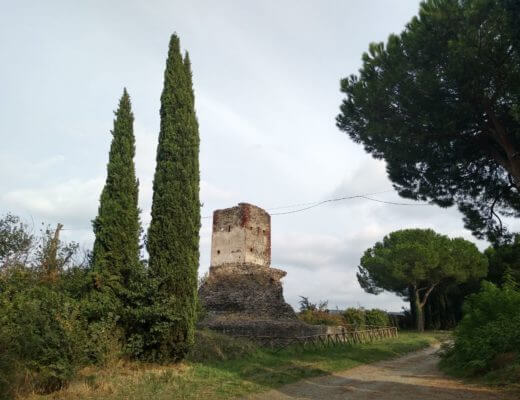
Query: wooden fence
[[345, 336]]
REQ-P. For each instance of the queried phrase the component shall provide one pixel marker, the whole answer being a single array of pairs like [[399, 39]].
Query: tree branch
[[422, 303]]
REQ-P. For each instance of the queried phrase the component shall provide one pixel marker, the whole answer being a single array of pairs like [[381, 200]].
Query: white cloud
[[71, 202], [323, 267]]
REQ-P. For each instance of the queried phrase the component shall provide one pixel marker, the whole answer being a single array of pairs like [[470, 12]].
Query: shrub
[[317, 317], [355, 317], [45, 337], [307, 305], [376, 317], [44, 334], [488, 332]]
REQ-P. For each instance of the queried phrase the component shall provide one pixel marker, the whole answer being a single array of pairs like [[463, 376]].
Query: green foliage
[[358, 318], [44, 330], [377, 317], [412, 262], [307, 305], [320, 317], [173, 236], [355, 317], [45, 335], [15, 241], [439, 103], [488, 332], [117, 228], [504, 259]]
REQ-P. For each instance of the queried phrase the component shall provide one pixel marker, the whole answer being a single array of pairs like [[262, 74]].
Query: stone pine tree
[[117, 227], [440, 103], [173, 236], [413, 262]]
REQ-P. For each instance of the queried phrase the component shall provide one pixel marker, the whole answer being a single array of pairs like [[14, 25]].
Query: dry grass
[[223, 379]]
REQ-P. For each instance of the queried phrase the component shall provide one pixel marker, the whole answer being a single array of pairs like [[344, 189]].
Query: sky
[[266, 78]]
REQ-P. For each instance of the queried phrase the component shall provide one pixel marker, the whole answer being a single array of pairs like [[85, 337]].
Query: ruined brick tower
[[241, 281], [243, 294], [241, 234]]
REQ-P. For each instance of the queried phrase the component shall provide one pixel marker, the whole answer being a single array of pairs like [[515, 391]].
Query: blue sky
[[266, 78]]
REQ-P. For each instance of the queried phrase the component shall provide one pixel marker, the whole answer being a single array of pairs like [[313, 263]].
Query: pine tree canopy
[[440, 103], [173, 236], [416, 261], [117, 226]]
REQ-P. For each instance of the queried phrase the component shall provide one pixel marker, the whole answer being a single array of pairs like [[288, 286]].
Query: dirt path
[[411, 377]]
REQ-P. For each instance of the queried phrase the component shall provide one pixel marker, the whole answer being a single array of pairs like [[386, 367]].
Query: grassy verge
[[505, 375], [214, 377]]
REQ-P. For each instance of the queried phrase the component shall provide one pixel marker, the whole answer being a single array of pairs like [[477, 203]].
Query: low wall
[[263, 327]]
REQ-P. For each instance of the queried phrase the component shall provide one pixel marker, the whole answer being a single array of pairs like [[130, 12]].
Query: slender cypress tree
[[117, 226], [173, 236]]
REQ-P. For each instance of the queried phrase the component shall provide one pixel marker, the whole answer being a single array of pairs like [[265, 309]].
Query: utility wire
[[350, 198], [314, 204], [319, 201], [308, 206]]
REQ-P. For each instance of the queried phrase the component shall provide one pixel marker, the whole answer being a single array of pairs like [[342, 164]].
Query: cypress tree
[[117, 227], [173, 236]]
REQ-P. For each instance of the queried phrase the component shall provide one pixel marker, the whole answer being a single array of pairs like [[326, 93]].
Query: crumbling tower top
[[241, 235]]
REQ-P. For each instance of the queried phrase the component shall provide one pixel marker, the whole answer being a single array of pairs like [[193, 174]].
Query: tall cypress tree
[[117, 226], [173, 236]]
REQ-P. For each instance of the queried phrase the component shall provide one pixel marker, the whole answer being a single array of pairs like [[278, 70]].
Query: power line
[[310, 205], [319, 201], [350, 198], [314, 204]]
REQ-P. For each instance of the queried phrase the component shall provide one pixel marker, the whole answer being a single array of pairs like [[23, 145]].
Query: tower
[[243, 294], [241, 235]]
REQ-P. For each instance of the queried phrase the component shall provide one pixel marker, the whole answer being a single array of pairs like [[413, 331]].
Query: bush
[[377, 317], [317, 317], [355, 317], [45, 336], [488, 332]]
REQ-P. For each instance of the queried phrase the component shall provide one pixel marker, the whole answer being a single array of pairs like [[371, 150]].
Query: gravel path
[[411, 377]]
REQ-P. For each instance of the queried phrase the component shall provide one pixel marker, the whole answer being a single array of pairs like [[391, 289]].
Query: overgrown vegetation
[[487, 340], [44, 335], [59, 315], [229, 368], [357, 318]]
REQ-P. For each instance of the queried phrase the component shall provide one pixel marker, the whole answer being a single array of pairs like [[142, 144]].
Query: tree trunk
[[510, 160], [419, 314]]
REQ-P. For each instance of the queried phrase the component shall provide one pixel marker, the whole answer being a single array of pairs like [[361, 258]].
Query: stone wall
[[241, 234], [251, 290], [243, 295]]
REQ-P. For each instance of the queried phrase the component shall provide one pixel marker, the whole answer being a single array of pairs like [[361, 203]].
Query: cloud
[[212, 193], [72, 202], [16, 168], [305, 250], [323, 267], [367, 177]]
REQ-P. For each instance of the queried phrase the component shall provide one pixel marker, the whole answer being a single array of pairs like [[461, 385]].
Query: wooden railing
[[346, 336]]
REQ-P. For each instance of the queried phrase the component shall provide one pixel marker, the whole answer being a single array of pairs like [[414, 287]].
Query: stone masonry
[[243, 294], [241, 234]]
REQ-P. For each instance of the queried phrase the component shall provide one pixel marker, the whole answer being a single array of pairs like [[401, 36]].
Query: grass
[[209, 375], [505, 375]]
